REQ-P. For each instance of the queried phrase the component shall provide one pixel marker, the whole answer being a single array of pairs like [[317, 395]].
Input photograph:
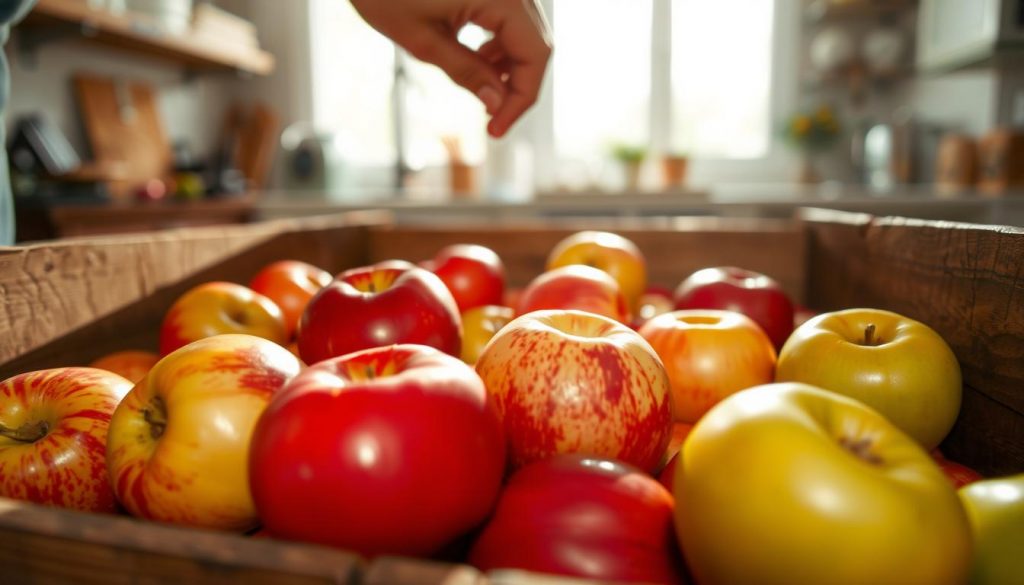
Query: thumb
[[463, 65]]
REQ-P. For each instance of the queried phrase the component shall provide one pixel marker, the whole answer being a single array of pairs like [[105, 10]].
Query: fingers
[[464, 66], [521, 49]]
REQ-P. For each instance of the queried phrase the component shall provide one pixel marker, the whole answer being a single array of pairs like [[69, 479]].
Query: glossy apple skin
[[132, 364], [179, 442], [808, 486], [54, 427], [384, 304], [290, 284], [390, 450], [583, 517], [709, 355], [577, 287], [995, 508], [610, 252], [907, 372], [479, 325], [730, 288], [957, 473], [474, 274], [215, 308], [575, 382], [680, 431]]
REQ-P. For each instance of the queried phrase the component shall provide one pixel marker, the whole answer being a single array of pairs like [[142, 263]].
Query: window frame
[[537, 128]]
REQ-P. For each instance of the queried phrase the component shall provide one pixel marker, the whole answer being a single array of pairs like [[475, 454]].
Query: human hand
[[505, 73]]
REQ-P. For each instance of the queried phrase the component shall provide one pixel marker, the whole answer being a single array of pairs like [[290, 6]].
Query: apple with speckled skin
[[178, 448], [215, 308], [53, 436], [568, 381]]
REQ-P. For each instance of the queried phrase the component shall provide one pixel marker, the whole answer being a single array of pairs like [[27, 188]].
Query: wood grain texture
[[673, 248], [965, 281], [49, 545], [69, 302]]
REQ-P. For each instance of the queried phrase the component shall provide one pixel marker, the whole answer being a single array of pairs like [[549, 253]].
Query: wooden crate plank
[[50, 545], [965, 281], [125, 285]]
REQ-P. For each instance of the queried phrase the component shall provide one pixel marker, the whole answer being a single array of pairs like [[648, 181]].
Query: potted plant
[[632, 158], [809, 133]]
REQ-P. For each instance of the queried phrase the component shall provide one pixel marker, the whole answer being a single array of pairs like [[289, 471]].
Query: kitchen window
[[706, 78]]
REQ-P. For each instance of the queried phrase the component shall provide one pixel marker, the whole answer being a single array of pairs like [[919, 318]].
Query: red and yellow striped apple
[[709, 355], [788, 483], [576, 382], [214, 308], [53, 436], [178, 448]]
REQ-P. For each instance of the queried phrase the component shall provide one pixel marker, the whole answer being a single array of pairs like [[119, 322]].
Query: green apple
[[995, 508], [900, 367], [787, 483]]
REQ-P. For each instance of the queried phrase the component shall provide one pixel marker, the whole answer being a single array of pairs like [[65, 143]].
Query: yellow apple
[[787, 483], [995, 508], [612, 253], [900, 367], [479, 325], [178, 448]]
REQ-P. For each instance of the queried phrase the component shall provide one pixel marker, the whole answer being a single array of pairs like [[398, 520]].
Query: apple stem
[[28, 432], [370, 372], [861, 449], [156, 415], [869, 334]]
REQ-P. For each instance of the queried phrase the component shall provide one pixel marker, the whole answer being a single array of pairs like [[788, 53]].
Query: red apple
[[575, 287], [584, 517], [709, 355], [130, 363], [391, 450], [179, 442], [290, 284], [387, 303], [958, 474], [474, 274], [612, 253], [215, 308], [576, 382], [755, 295], [53, 436]]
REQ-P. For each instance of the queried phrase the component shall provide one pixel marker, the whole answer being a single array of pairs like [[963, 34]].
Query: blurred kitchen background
[[130, 115]]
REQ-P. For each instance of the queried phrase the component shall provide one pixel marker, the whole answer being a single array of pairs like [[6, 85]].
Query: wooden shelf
[[138, 35]]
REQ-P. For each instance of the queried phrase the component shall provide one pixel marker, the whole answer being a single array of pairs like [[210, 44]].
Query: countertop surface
[[753, 200]]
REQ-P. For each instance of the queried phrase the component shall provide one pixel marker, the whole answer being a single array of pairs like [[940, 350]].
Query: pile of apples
[[590, 424]]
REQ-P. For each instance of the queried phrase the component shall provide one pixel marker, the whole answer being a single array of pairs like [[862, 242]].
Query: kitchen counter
[[758, 200]]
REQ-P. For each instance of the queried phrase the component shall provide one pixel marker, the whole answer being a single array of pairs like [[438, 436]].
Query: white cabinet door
[[952, 33]]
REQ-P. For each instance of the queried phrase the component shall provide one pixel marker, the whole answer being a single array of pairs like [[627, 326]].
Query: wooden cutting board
[[124, 129]]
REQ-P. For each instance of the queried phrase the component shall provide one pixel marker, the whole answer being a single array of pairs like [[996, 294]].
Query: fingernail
[[490, 98]]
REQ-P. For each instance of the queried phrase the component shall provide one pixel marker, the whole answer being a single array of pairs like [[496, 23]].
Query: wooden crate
[[66, 303]]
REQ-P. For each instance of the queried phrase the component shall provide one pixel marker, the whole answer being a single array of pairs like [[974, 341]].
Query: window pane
[[353, 68], [437, 108], [601, 78], [721, 76]]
